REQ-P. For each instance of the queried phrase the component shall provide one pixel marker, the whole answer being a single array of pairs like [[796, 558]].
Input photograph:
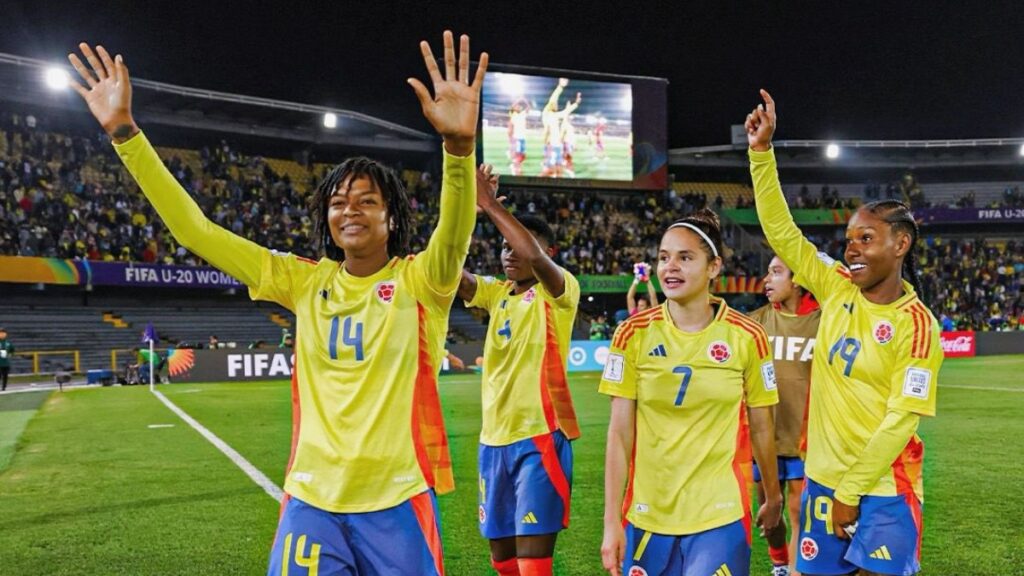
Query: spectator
[[6, 353], [599, 329]]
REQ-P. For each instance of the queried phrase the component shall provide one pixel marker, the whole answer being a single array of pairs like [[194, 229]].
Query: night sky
[[860, 70]]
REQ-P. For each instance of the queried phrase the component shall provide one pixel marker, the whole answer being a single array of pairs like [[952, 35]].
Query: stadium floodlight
[[57, 78], [512, 85], [832, 151], [1022, 149], [330, 120]]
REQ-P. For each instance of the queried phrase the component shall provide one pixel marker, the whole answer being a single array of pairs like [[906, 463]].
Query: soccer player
[[369, 446], [679, 375], [517, 116], [791, 320], [525, 458], [874, 377], [551, 118]]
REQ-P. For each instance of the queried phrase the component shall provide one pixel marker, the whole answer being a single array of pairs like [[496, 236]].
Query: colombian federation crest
[[635, 570], [719, 351], [483, 514], [530, 295], [808, 549], [884, 332], [386, 292]]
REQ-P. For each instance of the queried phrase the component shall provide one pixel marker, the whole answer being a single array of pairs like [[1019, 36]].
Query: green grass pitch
[[618, 165], [91, 489]]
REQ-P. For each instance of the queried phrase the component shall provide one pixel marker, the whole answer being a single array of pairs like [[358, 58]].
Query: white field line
[[987, 388], [251, 471], [161, 426]]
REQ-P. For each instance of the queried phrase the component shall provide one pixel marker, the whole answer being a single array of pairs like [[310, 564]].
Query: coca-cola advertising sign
[[958, 344]]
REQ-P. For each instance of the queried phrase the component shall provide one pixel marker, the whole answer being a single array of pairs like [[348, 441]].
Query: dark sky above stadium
[[838, 69]]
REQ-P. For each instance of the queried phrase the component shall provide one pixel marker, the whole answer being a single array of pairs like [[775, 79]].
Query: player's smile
[[358, 215], [869, 246]]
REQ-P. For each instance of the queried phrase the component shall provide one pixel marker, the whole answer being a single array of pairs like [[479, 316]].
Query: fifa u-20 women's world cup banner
[[23, 269]]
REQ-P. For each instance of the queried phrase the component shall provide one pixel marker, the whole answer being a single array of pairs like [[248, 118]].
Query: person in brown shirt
[[791, 320]]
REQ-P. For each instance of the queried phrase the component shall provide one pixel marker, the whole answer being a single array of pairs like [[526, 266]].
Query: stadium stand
[[65, 195]]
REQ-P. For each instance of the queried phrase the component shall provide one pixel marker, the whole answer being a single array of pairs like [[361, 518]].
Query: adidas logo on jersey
[[529, 518], [658, 350], [881, 554], [723, 570]]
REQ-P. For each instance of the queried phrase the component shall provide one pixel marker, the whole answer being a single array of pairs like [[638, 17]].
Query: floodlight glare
[[330, 120], [57, 78], [832, 151], [1022, 149]]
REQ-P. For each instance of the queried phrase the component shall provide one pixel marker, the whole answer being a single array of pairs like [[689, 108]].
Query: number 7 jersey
[[689, 388]]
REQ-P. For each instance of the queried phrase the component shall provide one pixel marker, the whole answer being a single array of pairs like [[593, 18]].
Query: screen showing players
[[558, 127]]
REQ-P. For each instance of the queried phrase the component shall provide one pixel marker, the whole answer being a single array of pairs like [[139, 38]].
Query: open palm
[[455, 107], [109, 95]]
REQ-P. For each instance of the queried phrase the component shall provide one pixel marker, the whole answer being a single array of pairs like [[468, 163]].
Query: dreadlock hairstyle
[[898, 216], [396, 200], [708, 223]]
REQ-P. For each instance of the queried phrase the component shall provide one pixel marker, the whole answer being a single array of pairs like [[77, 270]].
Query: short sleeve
[[619, 376], [488, 291], [759, 385]]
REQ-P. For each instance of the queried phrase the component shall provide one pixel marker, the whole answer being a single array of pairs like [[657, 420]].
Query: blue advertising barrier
[[588, 355]]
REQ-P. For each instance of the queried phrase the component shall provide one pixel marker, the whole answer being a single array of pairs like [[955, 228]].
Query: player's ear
[[715, 267]]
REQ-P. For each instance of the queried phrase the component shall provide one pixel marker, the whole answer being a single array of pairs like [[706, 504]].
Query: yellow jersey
[[525, 391], [869, 358], [369, 433], [685, 476]]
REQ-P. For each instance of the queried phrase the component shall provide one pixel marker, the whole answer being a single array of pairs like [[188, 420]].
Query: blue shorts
[[888, 538], [520, 147], [554, 156], [790, 468], [525, 487], [715, 552], [404, 540]]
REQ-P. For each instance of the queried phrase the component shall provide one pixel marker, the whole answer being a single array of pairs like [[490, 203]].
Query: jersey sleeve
[[814, 270], [619, 376], [488, 291], [759, 385], [570, 297], [267, 276], [439, 266], [914, 379], [283, 278]]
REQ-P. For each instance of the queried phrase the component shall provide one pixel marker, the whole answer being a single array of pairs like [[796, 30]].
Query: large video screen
[[558, 127]]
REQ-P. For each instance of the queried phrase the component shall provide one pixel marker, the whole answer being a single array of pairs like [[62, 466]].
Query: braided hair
[[396, 201], [898, 216]]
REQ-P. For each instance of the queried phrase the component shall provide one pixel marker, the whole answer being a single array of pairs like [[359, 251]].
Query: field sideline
[[88, 487]]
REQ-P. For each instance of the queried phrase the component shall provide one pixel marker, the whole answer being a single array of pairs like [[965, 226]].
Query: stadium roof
[[861, 154], [22, 80]]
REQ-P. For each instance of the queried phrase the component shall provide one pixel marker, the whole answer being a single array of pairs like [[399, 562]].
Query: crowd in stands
[[69, 197], [974, 284]]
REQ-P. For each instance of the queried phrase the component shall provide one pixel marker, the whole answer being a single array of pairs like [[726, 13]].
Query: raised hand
[[760, 124], [487, 188], [109, 95], [455, 107]]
